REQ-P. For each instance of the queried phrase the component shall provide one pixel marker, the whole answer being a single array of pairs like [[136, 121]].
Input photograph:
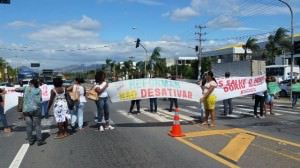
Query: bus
[[282, 72]]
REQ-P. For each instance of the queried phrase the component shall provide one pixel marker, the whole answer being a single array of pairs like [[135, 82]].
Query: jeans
[[227, 106], [102, 109], [77, 114], [3, 117], [295, 96], [137, 102], [173, 100], [259, 100], [44, 110], [153, 101], [33, 120]]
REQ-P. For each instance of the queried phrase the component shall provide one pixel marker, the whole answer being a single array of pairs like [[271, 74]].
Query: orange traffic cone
[[176, 128]]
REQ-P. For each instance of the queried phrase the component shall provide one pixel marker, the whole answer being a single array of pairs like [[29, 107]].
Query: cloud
[[223, 21], [84, 30], [233, 8], [183, 13], [20, 24]]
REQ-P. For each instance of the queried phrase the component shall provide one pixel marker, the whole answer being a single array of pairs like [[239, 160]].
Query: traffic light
[[196, 48], [5, 1], [137, 43]]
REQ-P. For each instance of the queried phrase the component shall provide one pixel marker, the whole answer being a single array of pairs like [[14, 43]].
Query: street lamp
[[292, 41], [138, 43]]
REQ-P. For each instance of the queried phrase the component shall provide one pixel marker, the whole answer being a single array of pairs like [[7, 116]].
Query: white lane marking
[[181, 116], [193, 107], [191, 112], [236, 110], [156, 117], [275, 110], [46, 131], [19, 157], [136, 120]]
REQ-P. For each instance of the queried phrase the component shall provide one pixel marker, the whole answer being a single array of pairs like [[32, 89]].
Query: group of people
[[67, 104]]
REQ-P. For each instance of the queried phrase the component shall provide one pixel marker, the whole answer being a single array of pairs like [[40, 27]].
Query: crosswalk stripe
[[191, 112], [156, 117], [184, 117], [275, 110], [124, 113], [193, 107]]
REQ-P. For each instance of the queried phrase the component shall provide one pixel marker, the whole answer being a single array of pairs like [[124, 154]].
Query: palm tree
[[250, 44], [158, 63], [277, 43]]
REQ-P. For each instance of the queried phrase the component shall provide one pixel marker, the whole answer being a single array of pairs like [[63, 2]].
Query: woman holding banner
[[209, 98], [295, 92]]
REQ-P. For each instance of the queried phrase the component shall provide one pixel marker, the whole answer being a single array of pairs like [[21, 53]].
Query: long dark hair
[[100, 77], [211, 74]]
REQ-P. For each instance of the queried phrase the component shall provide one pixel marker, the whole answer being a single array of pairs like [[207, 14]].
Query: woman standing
[[60, 108], [31, 111], [2, 114], [209, 98], [79, 105], [102, 103]]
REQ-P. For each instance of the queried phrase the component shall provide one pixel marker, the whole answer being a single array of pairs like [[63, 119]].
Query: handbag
[[74, 94], [69, 100], [92, 94]]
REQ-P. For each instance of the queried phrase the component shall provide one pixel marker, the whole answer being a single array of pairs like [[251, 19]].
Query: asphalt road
[[143, 141]]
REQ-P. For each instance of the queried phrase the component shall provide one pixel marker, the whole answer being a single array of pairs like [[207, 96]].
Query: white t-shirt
[[45, 92], [208, 85], [104, 93], [82, 98]]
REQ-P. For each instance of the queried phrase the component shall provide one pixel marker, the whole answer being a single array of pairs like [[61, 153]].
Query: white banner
[[153, 87], [163, 88], [239, 86]]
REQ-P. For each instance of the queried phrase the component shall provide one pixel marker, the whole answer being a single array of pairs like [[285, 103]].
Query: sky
[[58, 33]]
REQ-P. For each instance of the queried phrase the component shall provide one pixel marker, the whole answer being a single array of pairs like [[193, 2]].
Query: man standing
[[228, 102]]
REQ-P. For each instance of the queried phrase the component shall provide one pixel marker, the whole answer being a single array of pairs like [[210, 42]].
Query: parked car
[[285, 87]]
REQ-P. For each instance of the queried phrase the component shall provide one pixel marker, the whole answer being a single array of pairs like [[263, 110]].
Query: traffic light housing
[[5, 1], [137, 43], [196, 48]]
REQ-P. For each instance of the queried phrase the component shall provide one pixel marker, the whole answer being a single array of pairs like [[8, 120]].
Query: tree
[[250, 44], [157, 64], [277, 43]]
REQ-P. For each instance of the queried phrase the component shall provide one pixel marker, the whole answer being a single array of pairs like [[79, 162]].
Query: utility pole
[[200, 34], [292, 42]]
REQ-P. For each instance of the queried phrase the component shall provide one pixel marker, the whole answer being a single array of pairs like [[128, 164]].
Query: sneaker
[[256, 116], [262, 117], [109, 127], [40, 143], [101, 129]]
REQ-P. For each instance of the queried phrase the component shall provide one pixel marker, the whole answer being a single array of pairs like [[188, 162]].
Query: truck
[[240, 68]]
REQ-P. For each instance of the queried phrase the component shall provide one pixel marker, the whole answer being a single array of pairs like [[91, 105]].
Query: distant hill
[[79, 68]]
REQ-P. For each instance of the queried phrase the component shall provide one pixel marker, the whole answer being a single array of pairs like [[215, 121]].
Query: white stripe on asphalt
[[156, 117], [136, 120], [275, 110], [181, 116], [46, 131], [193, 107], [191, 112], [250, 110], [19, 157]]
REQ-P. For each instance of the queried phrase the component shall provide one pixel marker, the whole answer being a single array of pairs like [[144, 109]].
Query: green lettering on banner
[[296, 87], [273, 87]]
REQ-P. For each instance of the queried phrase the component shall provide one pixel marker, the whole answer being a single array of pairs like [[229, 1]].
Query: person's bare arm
[[52, 96]]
